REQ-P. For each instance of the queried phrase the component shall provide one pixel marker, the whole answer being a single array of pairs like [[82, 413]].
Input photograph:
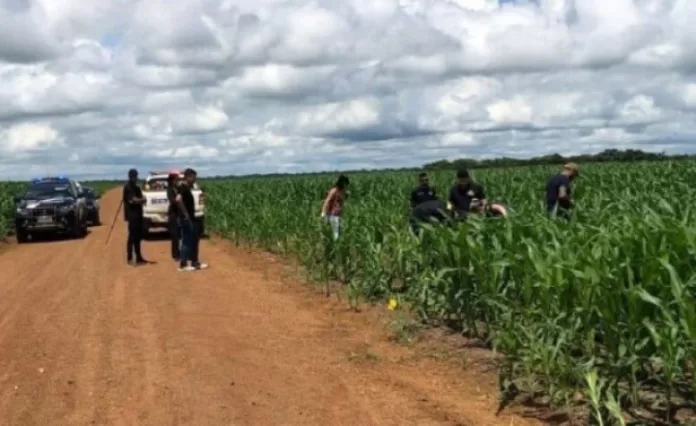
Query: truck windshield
[[160, 184], [156, 184]]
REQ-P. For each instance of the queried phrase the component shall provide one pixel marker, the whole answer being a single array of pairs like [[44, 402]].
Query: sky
[[91, 89]]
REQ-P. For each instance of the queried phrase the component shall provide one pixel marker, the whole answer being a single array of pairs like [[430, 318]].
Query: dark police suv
[[51, 205]]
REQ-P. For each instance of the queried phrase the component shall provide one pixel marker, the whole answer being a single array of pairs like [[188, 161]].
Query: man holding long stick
[[133, 202]]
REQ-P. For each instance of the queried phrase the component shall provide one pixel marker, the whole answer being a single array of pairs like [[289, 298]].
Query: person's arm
[[414, 196], [125, 200], [327, 201], [482, 197], [130, 198], [562, 192], [564, 196], [452, 200], [171, 197]]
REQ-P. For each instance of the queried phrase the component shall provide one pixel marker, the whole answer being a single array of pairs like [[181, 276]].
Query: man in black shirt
[[133, 210], [190, 237], [558, 192], [172, 215], [466, 196], [423, 192]]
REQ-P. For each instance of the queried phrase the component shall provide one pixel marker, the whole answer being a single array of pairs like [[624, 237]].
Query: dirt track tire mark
[[86, 339]]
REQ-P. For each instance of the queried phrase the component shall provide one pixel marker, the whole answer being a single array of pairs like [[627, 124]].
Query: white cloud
[[25, 137], [513, 111], [231, 86]]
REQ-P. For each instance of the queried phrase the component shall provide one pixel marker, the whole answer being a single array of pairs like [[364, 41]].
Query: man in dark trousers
[[430, 211], [190, 237], [465, 195], [172, 215], [558, 192], [133, 201], [423, 192]]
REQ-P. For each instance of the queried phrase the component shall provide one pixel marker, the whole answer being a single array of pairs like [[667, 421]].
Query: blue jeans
[[335, 222], [189, 242]]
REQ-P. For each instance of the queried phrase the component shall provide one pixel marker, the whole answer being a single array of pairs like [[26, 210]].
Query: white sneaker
[[201, 266], [186, 269]]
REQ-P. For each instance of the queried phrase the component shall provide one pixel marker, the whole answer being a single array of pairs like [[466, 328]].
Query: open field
[[602, 309], [598, 314]]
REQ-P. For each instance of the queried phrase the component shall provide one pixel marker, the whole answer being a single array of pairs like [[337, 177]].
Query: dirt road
[[87, 340]]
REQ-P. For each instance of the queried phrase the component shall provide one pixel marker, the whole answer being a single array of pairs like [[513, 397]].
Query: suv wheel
[[22, 236], [79, 229]]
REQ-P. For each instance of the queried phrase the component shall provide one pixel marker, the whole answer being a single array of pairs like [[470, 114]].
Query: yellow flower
[[392, 304]]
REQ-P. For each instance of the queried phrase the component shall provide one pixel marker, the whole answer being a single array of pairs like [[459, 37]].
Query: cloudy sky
[[91, 88]]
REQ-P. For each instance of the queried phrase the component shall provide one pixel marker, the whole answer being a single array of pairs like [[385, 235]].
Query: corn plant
[[7, 192]]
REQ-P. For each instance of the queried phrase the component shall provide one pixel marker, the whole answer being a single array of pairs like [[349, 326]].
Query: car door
[[80, 201], [91, 200]]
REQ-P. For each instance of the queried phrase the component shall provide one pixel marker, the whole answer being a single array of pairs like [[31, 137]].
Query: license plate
[[44, 219]]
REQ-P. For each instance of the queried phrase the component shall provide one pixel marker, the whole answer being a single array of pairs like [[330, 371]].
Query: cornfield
[[602, 307]]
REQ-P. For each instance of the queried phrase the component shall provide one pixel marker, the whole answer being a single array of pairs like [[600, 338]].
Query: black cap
[[132, 173], [462, 174]]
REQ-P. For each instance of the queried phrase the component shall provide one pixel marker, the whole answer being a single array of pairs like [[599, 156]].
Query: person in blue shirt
[[558, 191]]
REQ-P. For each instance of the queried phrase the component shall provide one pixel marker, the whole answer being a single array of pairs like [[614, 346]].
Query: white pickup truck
[[157, 203]]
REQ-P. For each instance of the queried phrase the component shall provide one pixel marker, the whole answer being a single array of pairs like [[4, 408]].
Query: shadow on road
[[52, 238], [157, 236], [163, 236]]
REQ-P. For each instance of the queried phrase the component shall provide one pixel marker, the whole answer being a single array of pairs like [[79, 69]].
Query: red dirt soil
[[87, 340]]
